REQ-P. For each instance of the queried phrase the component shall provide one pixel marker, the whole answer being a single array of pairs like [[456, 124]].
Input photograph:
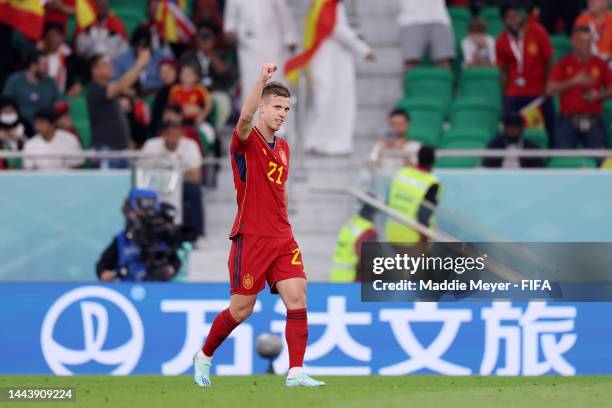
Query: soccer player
[[263, 249]]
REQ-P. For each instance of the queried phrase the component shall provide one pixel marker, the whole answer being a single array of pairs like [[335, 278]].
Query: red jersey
[[260, 175], [525, 60], [572, 100], [182, 96]]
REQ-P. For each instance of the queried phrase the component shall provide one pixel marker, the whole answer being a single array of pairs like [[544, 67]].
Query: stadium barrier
[[125, 329]]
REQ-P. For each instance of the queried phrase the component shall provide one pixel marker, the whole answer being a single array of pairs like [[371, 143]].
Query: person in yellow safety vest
[[347, 259], [410, 187]]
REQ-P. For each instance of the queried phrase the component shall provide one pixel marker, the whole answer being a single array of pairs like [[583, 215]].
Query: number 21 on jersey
[[275, 168]]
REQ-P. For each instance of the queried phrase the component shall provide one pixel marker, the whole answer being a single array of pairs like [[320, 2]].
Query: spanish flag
[[86, 13], [174, 25], [532, 114], [320, 24], [25, 16]]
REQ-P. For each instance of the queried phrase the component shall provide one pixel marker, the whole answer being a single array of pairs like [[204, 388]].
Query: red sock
[[296, 333], [222, 326]]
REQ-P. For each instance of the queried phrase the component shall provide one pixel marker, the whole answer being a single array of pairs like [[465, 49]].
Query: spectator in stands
[[14, 130], [109, 125], [157, 43], [58, 12], [551, 11], [599, 20], [106, 36], [263, 31], [50, 140], [148, 80], [478, 47], [173, 146], [138, 116], [216, 73], [62, 65], [330, 122], [425, 25], [396, 139], [168, 75], [583, 81], [524, 55], [63, 119], [32, 88], [512, 140], [190, 95]]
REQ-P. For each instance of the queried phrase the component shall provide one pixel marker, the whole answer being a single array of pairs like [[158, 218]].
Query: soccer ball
[[268, 345]]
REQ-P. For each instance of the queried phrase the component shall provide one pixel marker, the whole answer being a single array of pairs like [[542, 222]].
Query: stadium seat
[[460, 18], [460, 162], [571, 163], [538, 136], [466, 135], [492, 17], [561, 45], [432, 82], [607, 116], [426, 118], [80, 118], [469, 113], [131, 17], [483, 83]]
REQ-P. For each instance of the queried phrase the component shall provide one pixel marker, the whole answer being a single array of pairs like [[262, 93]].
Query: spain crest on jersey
[[283, 157], [247, 281]]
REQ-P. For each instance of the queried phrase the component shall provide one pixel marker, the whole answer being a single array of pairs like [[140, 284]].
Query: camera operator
[[147, 248]]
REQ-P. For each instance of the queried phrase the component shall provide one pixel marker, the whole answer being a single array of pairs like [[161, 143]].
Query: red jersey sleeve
[[238, 146], [606, 77], [501, 50], [173, 96], [557, 71]]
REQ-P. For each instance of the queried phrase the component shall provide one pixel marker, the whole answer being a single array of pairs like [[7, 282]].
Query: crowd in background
[[128, 80]]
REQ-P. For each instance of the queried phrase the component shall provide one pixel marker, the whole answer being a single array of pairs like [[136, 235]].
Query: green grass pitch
[[372, 392]]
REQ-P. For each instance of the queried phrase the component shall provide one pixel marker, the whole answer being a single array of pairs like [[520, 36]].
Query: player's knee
[[297, 300], [240, 314]]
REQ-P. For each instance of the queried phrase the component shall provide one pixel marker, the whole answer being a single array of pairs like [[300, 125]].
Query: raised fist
[[267, 71]]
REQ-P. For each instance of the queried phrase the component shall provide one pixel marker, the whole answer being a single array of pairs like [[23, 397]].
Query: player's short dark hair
[[399, 112], [427, 156], [275, 89]]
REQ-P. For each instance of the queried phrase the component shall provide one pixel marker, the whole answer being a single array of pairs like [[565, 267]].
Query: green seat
[[460, 162], [466, 135], [562, 46], [571, 163], [426, 118], [492, 17], [460, 18], [131, 17], [80, 118], [468, 113], [135, 5], [483, 83], [538, 136], [431, 82]]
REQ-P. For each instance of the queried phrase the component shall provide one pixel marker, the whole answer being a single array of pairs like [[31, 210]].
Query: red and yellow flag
[[86, 13], [25, 16], [532, 114], [320, 24]]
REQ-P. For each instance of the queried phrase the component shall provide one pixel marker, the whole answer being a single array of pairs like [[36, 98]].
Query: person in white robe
[[330, 121], [264, 32]]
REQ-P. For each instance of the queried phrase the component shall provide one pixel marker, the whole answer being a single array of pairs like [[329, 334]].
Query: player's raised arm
[[251, 104]]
